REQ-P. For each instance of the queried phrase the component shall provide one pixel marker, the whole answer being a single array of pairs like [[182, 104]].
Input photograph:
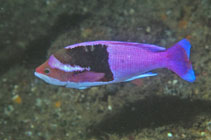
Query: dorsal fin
[[150, 47], [153, 48]]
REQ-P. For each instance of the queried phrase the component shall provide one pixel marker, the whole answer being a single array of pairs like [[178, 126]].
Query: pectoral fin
[[88, 76]]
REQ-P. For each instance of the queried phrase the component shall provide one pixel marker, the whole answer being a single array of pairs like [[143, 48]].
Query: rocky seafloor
[[155, 108]]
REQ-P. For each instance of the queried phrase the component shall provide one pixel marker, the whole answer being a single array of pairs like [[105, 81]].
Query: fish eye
[[47, 71]]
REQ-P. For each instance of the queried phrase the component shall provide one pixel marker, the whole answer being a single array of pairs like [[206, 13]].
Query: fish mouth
[[38, 75], [50, 80]]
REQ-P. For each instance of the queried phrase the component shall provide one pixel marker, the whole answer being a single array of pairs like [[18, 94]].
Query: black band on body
[[93, 56]]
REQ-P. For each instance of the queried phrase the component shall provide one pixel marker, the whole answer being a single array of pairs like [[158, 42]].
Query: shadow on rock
[[36, 50], [151, 112]]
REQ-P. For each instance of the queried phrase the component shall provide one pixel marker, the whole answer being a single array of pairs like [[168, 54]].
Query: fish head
[[77, 67], [54, 72], [51, 75], [44, 69]]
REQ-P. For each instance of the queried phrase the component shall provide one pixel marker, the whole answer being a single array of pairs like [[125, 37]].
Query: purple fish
[[96, 63]]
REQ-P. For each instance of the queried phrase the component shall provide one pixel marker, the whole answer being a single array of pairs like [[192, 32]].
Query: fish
[[95, 63]]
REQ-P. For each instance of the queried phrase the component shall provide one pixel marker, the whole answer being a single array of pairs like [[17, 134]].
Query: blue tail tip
[[189, 76], [185, 42], [185, 45]]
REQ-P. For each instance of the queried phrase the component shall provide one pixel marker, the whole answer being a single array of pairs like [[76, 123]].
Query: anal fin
[[141, 76], [82, 87]]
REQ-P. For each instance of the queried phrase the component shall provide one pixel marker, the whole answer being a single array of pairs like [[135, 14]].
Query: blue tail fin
[[178, 60]]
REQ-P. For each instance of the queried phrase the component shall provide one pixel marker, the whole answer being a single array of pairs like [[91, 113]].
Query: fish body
[[96, 63]]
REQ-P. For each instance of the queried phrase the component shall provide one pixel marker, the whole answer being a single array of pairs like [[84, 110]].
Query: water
[[161, 107]]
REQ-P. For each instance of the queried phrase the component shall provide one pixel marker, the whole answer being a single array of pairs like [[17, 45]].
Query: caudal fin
[[178, 60]]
